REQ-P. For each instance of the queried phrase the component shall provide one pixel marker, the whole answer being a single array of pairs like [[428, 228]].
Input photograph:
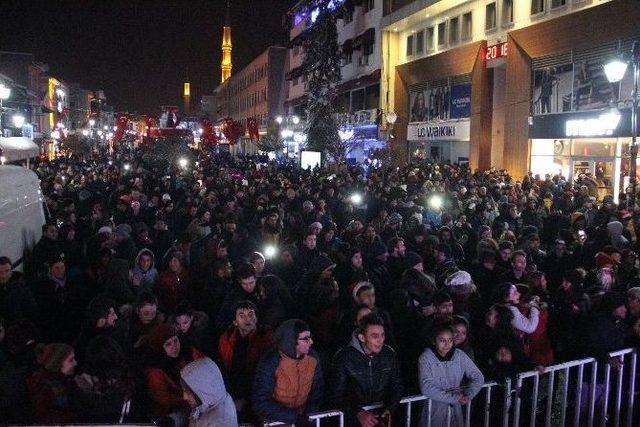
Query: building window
[[409, 45], [558, 3], [419, 42], [367, 49], [490, 17], [507, 12], [467, 26], [454, 30], [294, 82], [369, 5], [537, 6], [347, 58], [430, 36], [442, 34]]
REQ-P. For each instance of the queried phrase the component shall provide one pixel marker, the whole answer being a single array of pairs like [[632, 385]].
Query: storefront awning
[[18, 148]]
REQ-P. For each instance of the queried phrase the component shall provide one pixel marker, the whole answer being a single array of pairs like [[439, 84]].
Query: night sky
[[139, 51]]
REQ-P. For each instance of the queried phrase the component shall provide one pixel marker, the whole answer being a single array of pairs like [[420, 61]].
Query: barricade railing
[[626, 357], [577, 393]]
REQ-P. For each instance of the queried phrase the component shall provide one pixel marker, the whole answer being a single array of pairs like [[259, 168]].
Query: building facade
[[496, 82], [358, 92], [255, 91]]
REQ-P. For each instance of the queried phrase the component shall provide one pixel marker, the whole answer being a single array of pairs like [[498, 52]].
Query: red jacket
[[165, 394], [49, 395], [537, 344], [260, 342], [173, 288]]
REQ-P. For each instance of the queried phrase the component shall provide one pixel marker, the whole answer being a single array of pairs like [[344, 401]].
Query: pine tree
[[322, 63]]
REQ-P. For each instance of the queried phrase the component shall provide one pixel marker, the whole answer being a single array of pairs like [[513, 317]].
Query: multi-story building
[[255, 91], [358, 92], [27, 88], [79, 106], [509, 83]]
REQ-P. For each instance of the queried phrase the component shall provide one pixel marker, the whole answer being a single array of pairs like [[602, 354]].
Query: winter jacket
[[526, 324], [361, 379], [164, 393], [285, 387], [205, 380], [173, 288], [240, 374], [50, 394], [538, 345], [148, 278], [16, 300], [441, 379]]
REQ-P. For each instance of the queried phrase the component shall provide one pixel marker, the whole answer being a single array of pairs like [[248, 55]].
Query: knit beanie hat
[[377, 248], [159, 335], [412, 259], [51, 356]]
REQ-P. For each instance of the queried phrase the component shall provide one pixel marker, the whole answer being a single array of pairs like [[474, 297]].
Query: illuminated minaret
[[226, 65]]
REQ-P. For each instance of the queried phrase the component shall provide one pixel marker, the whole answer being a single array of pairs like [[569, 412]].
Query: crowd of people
[[238, 290]]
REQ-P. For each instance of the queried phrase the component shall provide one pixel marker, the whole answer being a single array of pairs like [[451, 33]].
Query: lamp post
[[5, 93], [615, 71], [392, 117]]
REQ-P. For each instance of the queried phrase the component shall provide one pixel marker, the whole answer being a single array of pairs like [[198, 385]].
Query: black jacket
[[360, 379], [16, 300]]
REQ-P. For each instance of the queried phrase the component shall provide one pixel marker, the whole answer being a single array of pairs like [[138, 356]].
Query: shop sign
[[584, 124], [439, 131], [603, 125]]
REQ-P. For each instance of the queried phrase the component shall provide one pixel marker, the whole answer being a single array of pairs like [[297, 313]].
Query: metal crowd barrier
[[569, 393]]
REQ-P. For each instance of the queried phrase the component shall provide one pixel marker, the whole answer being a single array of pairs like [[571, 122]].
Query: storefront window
[[594, 147]]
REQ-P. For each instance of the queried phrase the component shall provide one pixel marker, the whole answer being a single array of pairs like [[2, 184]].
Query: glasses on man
[[307, 338]]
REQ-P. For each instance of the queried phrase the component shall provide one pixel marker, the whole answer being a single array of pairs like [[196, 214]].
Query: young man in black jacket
[[366, 371]]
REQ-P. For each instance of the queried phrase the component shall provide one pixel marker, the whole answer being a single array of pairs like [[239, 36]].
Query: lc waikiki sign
[[439, 131]]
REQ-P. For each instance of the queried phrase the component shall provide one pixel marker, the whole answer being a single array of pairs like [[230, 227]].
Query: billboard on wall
[[579, 86], [591, 88], [440, 103], [460, 102], [553, 89]]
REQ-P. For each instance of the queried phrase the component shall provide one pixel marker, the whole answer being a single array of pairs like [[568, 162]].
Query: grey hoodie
[[615, 228], [148, 278], [204, 379]]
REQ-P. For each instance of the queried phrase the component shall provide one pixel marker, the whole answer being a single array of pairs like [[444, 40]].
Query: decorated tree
[[322, 64]]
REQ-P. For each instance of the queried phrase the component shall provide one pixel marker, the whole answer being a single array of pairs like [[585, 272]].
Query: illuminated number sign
[[496, 52]]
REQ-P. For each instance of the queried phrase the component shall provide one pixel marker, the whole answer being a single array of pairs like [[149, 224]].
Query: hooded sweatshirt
[[205, 380], [615, 228], [147, 278], [287, 387]]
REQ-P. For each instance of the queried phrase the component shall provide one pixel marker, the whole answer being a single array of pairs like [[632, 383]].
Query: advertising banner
[[553, 89], [460, 102], [430, 104]]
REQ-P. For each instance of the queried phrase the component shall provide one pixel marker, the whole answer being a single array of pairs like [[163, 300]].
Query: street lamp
[[5, 93], [92, 122], [615, 71]]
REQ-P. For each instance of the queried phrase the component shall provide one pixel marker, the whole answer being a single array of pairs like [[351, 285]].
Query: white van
[[21, 213]]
